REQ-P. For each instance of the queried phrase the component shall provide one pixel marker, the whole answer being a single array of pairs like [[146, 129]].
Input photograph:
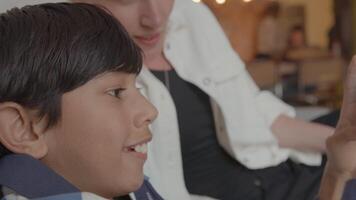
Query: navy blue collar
[[30, 178], [350, 190]]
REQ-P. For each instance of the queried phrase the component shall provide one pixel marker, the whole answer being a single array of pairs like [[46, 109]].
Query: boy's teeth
[[142, 148]]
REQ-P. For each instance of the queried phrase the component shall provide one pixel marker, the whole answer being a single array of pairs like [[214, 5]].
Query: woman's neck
[[158, 63]]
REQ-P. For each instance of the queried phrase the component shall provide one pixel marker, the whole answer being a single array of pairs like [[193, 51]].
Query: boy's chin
[[135, 184], [129, 187], [132, 185]]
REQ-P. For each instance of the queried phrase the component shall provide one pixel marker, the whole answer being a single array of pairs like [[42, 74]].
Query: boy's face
[[145, 21], [99, 144]]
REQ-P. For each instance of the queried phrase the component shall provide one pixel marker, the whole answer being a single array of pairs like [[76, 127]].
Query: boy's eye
[[116, 92]]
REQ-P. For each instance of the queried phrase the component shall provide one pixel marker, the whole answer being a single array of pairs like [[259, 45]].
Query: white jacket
[[201, 54]]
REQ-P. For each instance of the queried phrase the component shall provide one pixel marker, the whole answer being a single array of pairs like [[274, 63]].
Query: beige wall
[[240, 21], [319, 19]]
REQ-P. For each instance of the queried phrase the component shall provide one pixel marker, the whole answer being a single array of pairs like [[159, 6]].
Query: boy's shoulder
[[8, 194], [24, 177]]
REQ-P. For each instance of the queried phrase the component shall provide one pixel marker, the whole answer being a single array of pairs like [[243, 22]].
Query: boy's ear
[[21, 131]]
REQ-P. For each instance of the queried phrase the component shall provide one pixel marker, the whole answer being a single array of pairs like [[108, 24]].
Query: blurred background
[[298, 49]]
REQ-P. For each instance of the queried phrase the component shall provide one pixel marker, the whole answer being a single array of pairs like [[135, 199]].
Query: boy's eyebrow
[[112, 77], [107, 72]]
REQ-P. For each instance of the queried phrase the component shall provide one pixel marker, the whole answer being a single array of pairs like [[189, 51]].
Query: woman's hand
[[341, 147]]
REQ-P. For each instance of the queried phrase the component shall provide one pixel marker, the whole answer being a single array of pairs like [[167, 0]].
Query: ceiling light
[[220, 1]]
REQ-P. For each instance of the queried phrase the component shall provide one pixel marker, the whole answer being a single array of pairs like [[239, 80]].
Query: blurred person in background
[[269, 36]]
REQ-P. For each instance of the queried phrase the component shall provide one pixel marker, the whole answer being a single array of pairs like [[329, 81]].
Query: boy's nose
[[152, 112], [148, 113]]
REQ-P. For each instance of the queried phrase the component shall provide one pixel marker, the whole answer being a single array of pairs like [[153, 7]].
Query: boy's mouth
[[139, 148]]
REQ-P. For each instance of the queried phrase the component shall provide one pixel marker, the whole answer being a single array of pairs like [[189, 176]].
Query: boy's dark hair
[[50, 49]]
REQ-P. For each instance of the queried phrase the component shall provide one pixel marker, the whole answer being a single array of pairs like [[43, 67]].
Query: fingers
[[345, 132], [348, 110]]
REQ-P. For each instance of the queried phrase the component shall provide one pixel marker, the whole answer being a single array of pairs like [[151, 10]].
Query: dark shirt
[[204, 160]]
